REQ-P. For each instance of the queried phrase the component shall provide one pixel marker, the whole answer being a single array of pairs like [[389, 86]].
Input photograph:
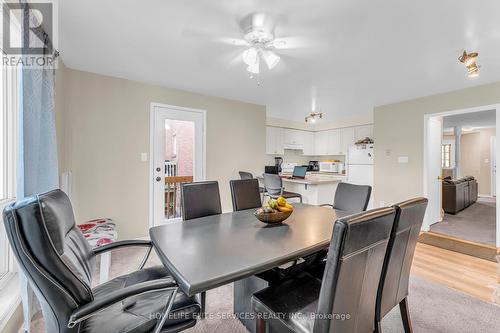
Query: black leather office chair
[[393, 287], [344, 300], [200, 199], [245, 194], [351, 198], [274, 188], [58, 263]]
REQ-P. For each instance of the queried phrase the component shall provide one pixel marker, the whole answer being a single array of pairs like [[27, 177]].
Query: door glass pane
[[179, 163]]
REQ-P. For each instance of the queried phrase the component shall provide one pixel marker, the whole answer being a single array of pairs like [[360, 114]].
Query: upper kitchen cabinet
[[275, 140], [309, 144], [294, 138], [362, 132], [334, 145], [347, 138], [321, 143]]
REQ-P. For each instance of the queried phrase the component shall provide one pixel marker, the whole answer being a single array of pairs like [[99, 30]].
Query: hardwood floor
[[471, 275]]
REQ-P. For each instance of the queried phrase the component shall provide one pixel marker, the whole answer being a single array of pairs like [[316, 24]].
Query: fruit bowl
[[276, 211], [273, 218]]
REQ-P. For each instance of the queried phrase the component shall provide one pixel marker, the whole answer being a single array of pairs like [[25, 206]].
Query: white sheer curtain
[[37, 158]]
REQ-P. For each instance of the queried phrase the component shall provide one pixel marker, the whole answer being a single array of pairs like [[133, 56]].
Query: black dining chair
[[247, 175], [274, 188], [58, 263], [393, 287], [200, 199], [344, 300], [351, 198], [245, 194]]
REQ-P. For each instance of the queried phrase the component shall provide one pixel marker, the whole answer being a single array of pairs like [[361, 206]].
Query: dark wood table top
[[208, 252]]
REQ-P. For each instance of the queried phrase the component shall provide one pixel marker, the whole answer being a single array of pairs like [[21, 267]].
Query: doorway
[[177, 156], [465, 154]]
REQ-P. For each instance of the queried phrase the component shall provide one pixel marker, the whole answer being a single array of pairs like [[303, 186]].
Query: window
[[174, 145], [9, 101], [446, 156]]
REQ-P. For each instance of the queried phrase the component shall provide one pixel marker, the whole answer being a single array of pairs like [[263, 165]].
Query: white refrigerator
[[360, 167]]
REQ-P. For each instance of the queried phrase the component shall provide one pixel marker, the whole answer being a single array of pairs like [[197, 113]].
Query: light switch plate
[[144, 157], [403, 159]]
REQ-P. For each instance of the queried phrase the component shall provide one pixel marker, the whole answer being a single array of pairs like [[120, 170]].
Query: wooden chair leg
[[260, 325], [405, 315]]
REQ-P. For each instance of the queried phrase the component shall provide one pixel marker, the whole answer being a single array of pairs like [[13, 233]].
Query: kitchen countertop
[[315, 179]]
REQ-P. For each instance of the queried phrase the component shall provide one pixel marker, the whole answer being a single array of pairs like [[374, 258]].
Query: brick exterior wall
[[183, 131]]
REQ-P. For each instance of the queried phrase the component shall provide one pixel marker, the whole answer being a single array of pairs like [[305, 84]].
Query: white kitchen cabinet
[[321, 143], [294, 137], [334, 145], [274, 140], [362, 132], [347, 139], [309, 144]]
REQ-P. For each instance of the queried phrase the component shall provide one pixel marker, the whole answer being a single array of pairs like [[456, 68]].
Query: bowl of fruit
[[276, 211]]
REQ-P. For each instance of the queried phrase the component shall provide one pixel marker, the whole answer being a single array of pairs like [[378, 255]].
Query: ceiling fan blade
[[204, 37], [232, 41], [288, 43]]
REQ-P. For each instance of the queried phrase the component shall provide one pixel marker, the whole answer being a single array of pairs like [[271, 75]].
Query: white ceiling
[[360, 54], [482, 119]]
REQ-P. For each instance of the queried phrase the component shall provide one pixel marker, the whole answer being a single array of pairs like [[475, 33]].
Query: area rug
[[433, 308]]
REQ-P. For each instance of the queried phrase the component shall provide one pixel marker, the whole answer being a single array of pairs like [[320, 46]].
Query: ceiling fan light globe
[[272, 59], [250, 56]]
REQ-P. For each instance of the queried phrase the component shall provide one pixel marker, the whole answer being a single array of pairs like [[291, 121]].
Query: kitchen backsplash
[[295, 156]]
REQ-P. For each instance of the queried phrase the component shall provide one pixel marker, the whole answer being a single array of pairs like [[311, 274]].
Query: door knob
[[158, 179], [158, 169]]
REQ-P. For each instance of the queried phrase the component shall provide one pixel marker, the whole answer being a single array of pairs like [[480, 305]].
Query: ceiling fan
[[258, 29], [262, 47]]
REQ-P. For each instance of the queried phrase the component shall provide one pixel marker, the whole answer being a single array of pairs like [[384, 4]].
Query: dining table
[[212, 251]]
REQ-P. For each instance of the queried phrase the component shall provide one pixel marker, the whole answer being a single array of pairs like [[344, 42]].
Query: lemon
[[281, 201]]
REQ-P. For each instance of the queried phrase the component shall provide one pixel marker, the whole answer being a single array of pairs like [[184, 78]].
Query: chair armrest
[[88, 310], [120, 244]]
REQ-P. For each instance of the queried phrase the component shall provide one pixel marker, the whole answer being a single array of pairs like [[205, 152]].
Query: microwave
[[328, 167]]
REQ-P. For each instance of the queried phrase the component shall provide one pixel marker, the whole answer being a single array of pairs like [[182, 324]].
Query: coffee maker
[[278, 161], [313, 166]]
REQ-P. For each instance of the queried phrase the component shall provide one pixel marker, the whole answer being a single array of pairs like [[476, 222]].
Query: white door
[[433, 170], [493, 164], [178, 141]]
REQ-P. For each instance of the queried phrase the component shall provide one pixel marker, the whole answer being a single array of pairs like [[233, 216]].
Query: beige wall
[[399, 131], [475, 161], [106, 128]]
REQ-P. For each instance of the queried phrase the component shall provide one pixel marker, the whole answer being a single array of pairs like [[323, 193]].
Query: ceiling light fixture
[[313, 116], [259, 36], [469, 60]]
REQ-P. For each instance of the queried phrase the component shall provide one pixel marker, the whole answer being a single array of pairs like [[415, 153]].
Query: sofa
[[459, 194]]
